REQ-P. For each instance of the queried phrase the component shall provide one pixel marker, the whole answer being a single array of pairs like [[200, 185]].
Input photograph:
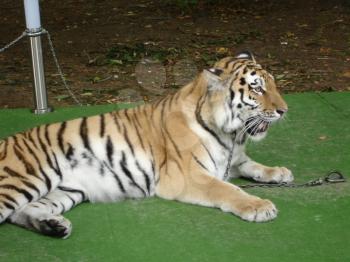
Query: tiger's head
[[243, 96]]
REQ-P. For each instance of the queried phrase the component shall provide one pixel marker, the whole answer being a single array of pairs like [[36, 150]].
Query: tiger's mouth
[[255, 127]]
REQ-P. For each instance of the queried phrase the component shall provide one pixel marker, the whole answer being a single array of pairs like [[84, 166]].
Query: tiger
[[186, 147]]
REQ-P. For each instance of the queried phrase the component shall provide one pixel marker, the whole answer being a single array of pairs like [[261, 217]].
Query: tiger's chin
[[258, 137], [259, 131]]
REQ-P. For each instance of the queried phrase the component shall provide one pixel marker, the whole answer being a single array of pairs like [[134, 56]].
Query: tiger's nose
[[281, 111]]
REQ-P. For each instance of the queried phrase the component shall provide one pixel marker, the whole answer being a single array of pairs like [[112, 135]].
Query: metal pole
[[34, 31]]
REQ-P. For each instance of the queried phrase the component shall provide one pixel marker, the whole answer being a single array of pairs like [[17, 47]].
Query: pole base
[[42, 111]]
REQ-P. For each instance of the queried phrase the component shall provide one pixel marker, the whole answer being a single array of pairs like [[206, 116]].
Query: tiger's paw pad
[[280, 175], [258, 210], [56, 226]]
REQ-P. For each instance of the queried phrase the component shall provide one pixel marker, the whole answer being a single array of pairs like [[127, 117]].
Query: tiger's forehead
[[232, 65]]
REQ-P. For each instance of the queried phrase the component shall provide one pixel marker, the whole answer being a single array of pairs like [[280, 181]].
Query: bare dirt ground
[[113, 51]]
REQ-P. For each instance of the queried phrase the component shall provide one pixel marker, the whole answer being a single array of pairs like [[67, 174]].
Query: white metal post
[[34, 31]]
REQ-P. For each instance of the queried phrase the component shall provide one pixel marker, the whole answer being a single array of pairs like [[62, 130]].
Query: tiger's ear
[[246, 55], [213, 79]]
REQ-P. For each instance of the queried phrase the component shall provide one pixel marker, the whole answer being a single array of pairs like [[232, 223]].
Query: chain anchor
[[335, 177]]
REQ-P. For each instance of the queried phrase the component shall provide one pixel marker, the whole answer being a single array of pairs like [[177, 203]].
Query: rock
[[130, 95]]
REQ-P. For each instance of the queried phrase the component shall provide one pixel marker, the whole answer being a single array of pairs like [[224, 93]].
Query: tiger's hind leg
[[44, 215]]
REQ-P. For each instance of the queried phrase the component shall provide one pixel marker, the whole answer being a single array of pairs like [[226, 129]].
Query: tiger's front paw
[[257, 210], [279, 175]]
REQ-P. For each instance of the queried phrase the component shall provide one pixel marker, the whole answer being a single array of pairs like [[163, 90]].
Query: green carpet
[[313, 223]]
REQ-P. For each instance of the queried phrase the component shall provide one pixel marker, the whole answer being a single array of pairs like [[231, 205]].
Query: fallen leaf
[[280, 76], [87, 94], [325, 50], [222, 50], [347, 74], [62, 97]]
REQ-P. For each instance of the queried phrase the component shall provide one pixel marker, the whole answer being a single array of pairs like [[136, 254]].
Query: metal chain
[[13, 42], [228, 167], [331, 178], [54, 58], [59, 68]]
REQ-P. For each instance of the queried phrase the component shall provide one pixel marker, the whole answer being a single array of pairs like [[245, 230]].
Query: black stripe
[[114, 115], [102, 125], [242, 163], [71, 199], [137, 118], [63, 208], [232, 94], [163, 109], [242, 94], [177, 95], [84, 134], [71, 190], [120, 184], [110, 151], [178, 164], [47, 180], [3, 154], [58, 169], [127, 172], [193, 87], [245, 70], [145, 175], [31, 186], [48, 159], [13, 173], [8, 197], [26, 194], [139, 136], [228, 62], [211, 157], [127, 115], [128, 141], [47, 137], [60, 136], [41, 202], [8, 205], [173, 142], [70, 152], [101, 169], [205, 127], [30, 137], [236, 68], [156, 103], [162, 164], [15, 140], [170, 101], [28, 166]]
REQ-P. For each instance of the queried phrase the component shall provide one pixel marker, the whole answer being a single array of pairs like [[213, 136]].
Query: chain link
[[13, 42], [59, 68]]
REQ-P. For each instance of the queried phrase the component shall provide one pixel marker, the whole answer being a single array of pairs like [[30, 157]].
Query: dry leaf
[[347, 74]]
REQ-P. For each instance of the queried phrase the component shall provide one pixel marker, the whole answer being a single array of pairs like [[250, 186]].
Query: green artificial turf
[[313, 223]]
